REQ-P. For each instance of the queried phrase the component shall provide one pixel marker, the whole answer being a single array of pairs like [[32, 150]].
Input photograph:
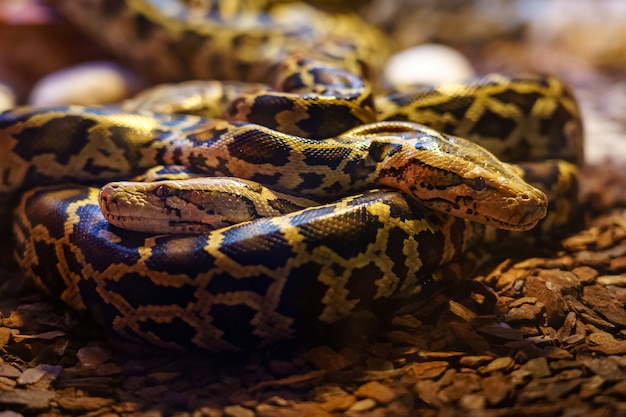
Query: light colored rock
[[7, 98], [99, 82], [427, 64]]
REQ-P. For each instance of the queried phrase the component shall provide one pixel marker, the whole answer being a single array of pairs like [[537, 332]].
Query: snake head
[[456, 176]]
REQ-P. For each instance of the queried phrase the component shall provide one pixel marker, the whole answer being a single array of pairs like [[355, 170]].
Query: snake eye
[[479, 184], [161, 191]]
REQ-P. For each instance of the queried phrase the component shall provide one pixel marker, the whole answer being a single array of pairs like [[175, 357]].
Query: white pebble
[[7, 98], [427, 64], [91, 83]]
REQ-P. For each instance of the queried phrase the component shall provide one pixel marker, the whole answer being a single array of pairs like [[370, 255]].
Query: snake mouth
[[514, 227], [521, 220], [124, 221], [519, 216]]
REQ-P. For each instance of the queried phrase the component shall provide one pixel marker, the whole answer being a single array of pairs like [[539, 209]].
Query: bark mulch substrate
[[542, 335]]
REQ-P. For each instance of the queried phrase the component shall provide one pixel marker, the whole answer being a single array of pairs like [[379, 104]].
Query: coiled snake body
[[392, 200]]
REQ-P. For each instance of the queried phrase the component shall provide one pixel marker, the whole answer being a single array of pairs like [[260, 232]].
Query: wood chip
[[585, 274], [238, 411], [31, 399], [526, 313], [617, 280], [327, 359], [326, 392], [406, 320], [498, 364], [561, 389], [501, 331], [293, 380], [466, 336], [376, 391], [463, 384], [618, 389], [618, 264], [428, 392], [605, 343], [339, 404], [5, 336], [461, 311], [475, 361], [548, 290], [428, 370], [362, 405], [304, 409], [538, 367], [496, 388], [587, 314], [83, 404], [93, 356], [9, 371], [602, 302], [608, 369]]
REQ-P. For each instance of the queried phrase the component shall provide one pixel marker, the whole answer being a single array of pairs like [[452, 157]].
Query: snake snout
[[112, 201], [527, 209]]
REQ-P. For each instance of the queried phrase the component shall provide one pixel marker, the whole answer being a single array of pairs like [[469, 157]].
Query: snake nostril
[[525, 197]]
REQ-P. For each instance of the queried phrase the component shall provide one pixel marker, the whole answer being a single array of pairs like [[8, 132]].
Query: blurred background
[[581, 41]]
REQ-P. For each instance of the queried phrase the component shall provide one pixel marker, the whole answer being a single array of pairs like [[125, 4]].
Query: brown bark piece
[[547, 289], [496, 388], [602, 302], [382, 394]]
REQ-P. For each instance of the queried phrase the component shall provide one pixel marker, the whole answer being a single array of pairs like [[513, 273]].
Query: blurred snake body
[[268, 212]]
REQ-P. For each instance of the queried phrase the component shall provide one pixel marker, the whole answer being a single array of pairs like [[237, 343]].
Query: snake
[[229, 215]]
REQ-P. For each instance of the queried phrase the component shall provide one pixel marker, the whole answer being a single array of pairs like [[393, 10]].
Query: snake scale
[[345, 201]]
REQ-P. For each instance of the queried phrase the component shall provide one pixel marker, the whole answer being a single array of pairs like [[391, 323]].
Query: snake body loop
[[176, 40], [399, 155], [272, 211]]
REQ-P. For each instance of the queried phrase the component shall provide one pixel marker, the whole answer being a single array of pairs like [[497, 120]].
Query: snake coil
[[328, 198]]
